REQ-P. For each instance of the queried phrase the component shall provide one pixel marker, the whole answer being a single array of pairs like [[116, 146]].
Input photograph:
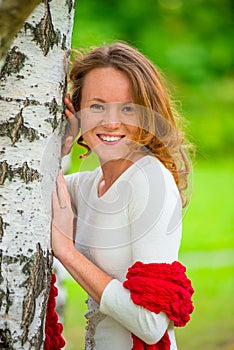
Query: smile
[[110, 138]]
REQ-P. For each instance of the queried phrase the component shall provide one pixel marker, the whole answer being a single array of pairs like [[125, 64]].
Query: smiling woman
[[102, 120], [128, 211]]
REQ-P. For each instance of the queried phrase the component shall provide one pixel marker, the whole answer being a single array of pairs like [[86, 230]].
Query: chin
[[108, 157]]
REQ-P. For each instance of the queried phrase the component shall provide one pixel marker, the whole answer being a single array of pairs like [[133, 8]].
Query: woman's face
[[108, 115]]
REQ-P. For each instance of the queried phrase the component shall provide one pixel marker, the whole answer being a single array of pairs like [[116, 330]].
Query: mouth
[[110, 139]]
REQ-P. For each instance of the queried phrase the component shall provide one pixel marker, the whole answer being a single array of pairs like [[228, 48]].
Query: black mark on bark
[[54, 108], [64, 47], [44, 33], [27, 174], [16, 127], [26, 102], [5, 172], [1, 278], [14, 62], [7, 295], [69, 4], [38, 269], [9, 298], [24, 172], [3, 226], [5, 339], [1, 234]]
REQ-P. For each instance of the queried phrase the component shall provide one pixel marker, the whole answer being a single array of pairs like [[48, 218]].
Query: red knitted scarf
[[53, 329], [160, 287]]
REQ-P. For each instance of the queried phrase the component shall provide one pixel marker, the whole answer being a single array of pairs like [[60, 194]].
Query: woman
[[129, 209]]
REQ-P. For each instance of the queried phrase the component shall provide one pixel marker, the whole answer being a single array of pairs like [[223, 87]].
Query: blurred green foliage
[[192, 39], [192, 43]]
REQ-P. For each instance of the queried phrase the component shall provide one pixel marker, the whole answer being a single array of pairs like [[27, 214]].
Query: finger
[[55, 203], [67, 145], [62, 192], [72, 124], [66, 193], [69, 104], [68, 113]]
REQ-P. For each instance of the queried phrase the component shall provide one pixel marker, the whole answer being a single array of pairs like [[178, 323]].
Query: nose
[[112, 119]]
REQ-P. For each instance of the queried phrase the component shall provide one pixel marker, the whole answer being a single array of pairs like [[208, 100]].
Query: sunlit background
[[192, 43]]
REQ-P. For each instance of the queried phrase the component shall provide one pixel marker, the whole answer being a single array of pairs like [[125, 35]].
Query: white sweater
[[137, 219]]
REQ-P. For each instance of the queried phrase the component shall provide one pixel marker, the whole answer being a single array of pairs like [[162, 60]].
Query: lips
[[110, 138]]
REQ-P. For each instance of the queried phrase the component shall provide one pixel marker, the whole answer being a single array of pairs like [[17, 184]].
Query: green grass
[[209, 219], [208, 229], [212, 323], [74, 320]]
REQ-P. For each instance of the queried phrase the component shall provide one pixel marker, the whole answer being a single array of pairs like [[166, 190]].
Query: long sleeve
[[155, 222]]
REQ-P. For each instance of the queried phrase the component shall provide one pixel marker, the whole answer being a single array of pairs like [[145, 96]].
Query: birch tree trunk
[[32, 85], [12, 16]]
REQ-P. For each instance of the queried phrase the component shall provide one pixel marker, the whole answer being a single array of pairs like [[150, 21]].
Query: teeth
[[110, 138]]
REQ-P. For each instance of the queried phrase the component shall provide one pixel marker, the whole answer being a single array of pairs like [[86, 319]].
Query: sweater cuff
[[109, 295], [116, 302]]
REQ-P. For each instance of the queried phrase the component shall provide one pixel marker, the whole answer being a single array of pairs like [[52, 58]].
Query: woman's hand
[[62, 220], [72, 126], [88, 275]]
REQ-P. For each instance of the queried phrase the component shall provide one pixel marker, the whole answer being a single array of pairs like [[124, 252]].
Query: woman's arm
[[88, 275]]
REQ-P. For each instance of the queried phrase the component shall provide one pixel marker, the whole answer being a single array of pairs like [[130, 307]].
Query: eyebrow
[[103, 101], [97, 99]]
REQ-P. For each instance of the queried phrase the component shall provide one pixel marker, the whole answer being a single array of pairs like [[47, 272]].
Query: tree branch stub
[[12, 16]]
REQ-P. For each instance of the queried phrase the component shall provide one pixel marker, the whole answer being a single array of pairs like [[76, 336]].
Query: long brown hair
[[159, 135]]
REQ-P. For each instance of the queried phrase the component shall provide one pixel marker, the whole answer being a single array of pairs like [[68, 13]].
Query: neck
[[114, 168]]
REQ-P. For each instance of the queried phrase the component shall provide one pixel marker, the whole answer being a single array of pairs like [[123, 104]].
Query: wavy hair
[[160, 132]]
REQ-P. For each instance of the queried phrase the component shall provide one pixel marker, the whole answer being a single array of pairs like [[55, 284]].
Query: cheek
[[89, 136], [87, 124], [86, 130], [132, 131], [90, 139], [131, 125]]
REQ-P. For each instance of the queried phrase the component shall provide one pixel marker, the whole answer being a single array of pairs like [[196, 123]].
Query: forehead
[[108, 84]]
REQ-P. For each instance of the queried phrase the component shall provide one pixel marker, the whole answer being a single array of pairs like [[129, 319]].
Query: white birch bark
[[32, 85], [13, 13]]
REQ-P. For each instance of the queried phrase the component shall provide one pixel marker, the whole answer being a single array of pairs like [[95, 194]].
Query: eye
[[96, 107], [128, 109]]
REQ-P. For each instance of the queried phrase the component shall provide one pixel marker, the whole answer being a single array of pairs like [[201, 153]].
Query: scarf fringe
[[53, 328]]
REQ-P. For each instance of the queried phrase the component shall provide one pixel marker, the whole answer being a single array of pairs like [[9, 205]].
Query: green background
[[192, 44]]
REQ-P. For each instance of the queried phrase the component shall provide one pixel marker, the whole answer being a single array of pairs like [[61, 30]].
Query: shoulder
[[153, 187], [155, 204], [81, 177], [151, 174], [81, 181]]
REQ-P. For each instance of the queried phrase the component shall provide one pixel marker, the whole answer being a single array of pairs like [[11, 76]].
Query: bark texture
[[12, 16], [32, 85]]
